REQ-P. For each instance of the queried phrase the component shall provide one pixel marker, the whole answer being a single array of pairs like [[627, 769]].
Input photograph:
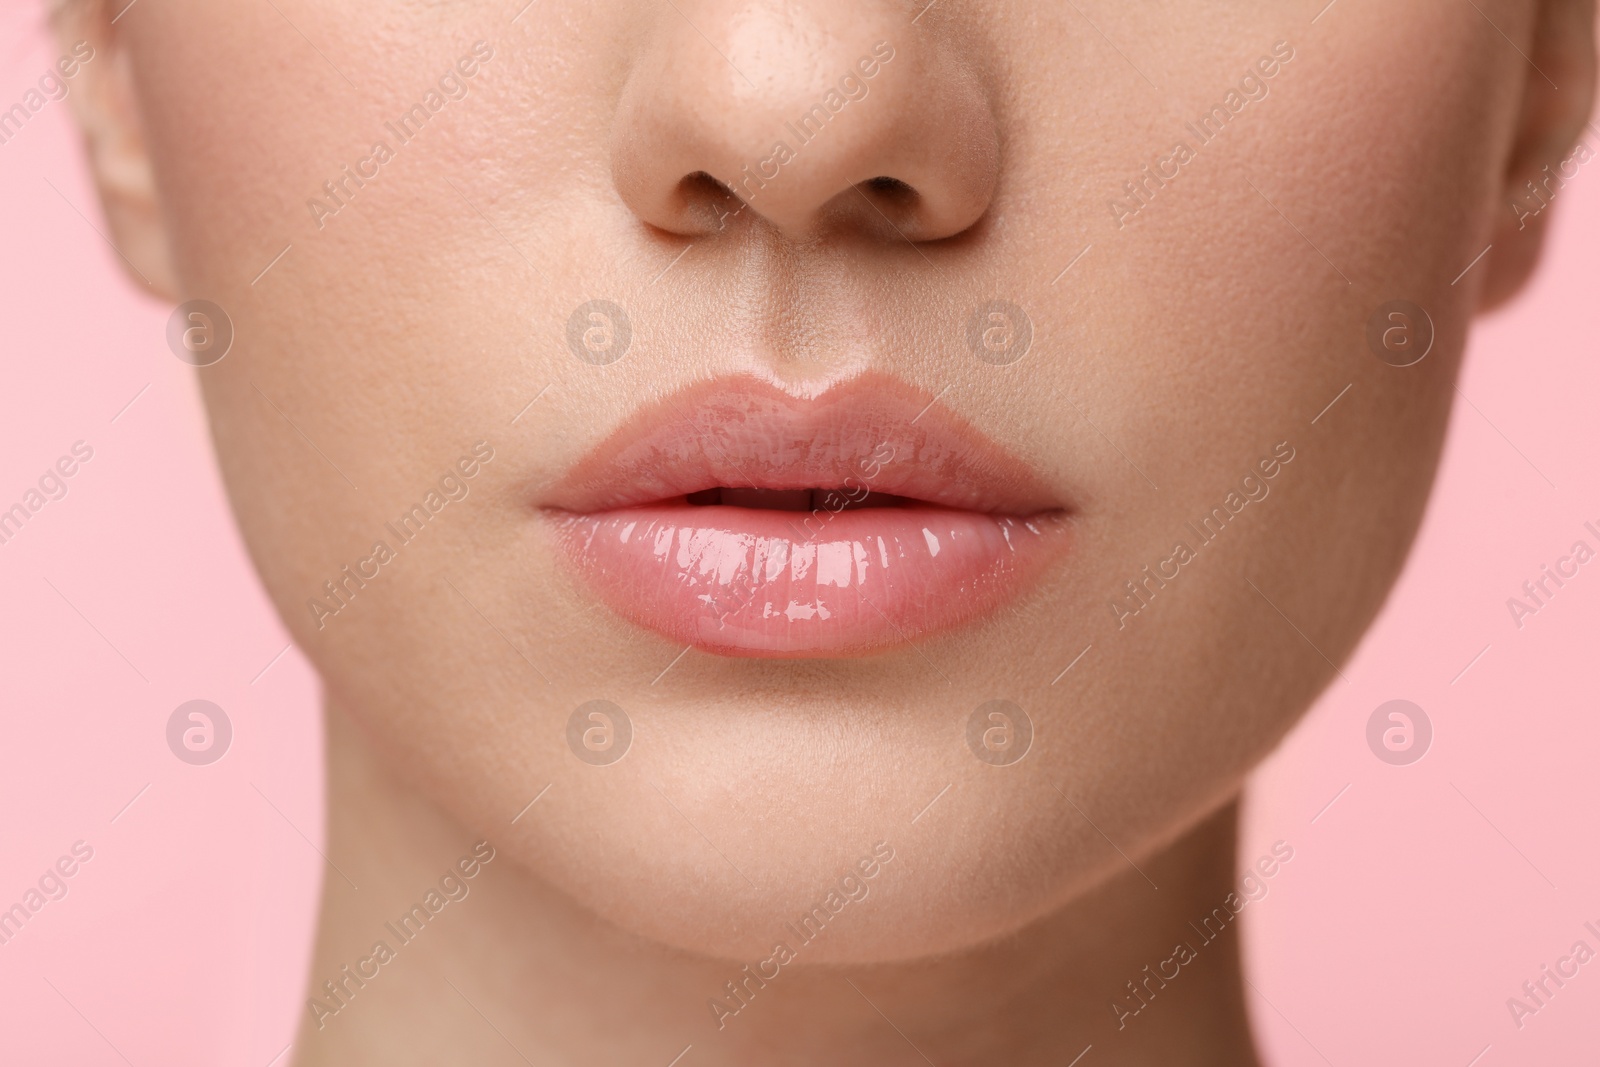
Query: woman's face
[[1088, 309]]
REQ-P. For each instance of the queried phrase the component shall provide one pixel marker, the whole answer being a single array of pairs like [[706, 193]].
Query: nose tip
[[834, 115]]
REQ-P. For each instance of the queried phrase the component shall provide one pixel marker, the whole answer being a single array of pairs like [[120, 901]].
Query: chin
[[746, 831]]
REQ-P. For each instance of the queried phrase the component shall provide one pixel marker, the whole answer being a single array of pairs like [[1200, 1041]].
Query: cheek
[[1222, 321]]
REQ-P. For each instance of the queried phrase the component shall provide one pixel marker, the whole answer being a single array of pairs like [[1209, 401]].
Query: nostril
[[705, 202], [889, 186], [897, 200], [704, 184]]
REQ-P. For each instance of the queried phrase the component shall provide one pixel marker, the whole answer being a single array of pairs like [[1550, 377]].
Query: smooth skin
[[591, 157]]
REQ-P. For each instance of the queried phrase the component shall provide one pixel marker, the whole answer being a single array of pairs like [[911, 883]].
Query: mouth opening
[[796, 499]]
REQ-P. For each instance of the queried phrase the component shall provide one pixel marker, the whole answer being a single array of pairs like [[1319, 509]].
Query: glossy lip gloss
[[745, 521]]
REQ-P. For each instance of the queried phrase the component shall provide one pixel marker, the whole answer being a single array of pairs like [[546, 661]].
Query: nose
[[811, 117]]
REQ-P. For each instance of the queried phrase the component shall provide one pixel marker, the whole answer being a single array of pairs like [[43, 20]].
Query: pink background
[[1415, 904]]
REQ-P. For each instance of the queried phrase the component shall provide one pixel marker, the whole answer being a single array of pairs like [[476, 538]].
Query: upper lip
[[873, 431]]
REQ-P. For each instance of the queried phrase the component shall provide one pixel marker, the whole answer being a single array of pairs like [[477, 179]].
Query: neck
[[513, 972]]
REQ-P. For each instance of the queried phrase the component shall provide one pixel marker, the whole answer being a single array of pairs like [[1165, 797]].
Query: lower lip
[[749, 582]]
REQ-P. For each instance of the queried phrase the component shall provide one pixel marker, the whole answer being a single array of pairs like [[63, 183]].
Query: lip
[[970, 527]]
